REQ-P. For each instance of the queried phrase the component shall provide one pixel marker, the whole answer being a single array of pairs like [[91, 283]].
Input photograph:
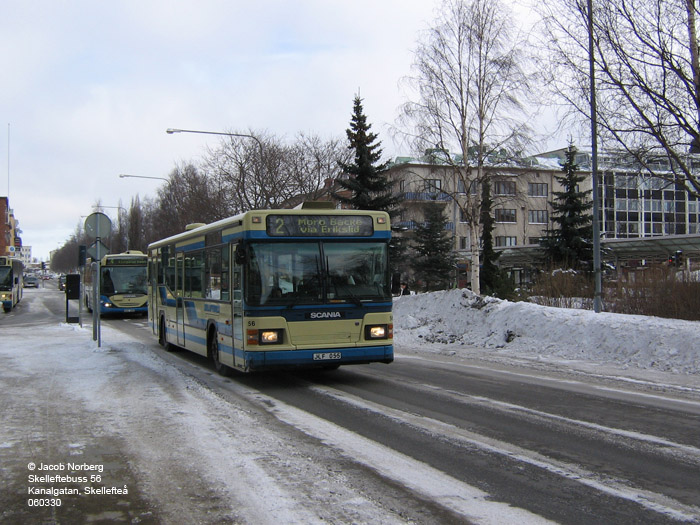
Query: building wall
[[9, 228], [25, 253], [4, 226], [521, 198]]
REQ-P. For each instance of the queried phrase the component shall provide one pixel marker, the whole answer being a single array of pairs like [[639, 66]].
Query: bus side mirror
[[240, 255]]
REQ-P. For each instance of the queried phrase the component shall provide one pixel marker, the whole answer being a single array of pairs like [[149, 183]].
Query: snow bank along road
[[427, 439]]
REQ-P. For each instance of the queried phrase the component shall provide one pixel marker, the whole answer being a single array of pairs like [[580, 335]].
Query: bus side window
[[225, 285], [213, 273]]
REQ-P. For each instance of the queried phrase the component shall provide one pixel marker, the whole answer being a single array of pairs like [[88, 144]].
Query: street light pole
[[170, 131], [597, 296]]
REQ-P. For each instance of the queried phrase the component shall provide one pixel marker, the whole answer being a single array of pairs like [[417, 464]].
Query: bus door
[[179, 293], [237, 295]]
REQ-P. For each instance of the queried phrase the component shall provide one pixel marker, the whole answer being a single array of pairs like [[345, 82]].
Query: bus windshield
[[124, 280], [316, 273], [5, 278]]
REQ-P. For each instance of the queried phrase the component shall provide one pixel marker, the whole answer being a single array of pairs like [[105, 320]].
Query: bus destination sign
[[126, 261], [319, 226]]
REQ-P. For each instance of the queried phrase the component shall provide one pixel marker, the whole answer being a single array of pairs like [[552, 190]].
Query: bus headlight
[[270, 337], [379, 331], [265, 337]]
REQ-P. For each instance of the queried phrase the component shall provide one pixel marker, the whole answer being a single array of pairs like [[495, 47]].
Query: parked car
[[30, 281], [62, 283]]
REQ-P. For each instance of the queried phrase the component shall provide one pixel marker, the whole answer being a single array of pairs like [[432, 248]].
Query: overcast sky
[[89, 88]]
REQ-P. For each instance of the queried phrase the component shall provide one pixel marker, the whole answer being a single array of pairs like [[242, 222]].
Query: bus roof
[[126, 258], [255, 220]]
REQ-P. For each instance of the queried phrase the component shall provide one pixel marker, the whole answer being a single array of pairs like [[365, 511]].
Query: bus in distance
[[11, 282], [123, 284], [276, 289]]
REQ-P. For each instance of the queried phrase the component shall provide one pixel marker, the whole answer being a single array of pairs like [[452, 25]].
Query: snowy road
[[427, 439]]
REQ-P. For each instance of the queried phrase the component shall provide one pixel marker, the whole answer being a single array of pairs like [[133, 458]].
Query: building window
[[534, 240], [433, 185], [462, 216], [504, 187], [537, 216], [504, 215], [537, 189], [463, 244], [502, 240]]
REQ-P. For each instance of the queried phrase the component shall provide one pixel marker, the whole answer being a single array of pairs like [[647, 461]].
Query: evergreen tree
[[367, 183], [435, 262], [492, 279], [368, 186], [571, 244]]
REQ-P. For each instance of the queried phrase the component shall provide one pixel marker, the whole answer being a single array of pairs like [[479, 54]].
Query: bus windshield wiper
[[344, 292]]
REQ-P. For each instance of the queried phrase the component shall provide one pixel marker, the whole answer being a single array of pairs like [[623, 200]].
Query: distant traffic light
[[676, 259]]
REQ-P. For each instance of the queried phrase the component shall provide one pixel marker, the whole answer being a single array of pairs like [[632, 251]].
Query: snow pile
[[459, 318]]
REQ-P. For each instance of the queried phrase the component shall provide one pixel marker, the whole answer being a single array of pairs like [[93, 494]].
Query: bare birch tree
[[313, 162], [188, 197], [250, 172], [266, 173], [647, 73], [470, 86]]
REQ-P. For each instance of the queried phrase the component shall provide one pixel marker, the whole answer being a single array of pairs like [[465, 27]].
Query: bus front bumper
[[319, 358]]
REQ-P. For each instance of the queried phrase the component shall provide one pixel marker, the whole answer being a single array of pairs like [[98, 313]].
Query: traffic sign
[[98, 225], [97, 250]]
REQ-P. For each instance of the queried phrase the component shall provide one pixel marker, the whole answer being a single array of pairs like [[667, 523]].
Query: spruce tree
[[434, 264], [571, 243], [367, 183], [492, 279]]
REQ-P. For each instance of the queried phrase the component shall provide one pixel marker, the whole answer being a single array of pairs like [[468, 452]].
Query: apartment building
[[521, 194], [632, 206]]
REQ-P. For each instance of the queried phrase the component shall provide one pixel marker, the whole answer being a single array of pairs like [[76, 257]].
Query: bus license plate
[[129, 310], [327, 356]]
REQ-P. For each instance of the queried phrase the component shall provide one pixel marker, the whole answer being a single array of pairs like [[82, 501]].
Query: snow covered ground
[[459, 323], [175, 435]]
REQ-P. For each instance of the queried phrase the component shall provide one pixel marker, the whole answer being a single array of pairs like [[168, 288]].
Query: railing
[[412, 225]]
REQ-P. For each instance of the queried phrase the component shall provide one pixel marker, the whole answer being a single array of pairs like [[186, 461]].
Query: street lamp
[[170, 131], [123, 175], [113, 207]]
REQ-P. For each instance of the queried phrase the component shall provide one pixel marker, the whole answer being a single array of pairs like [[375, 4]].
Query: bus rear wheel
[[213, 344]]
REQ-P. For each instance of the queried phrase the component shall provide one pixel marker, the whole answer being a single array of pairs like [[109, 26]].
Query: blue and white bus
[[272, 289], [11, 282], [123, 284]]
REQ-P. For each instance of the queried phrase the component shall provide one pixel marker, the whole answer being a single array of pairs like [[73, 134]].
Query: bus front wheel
[[213, 344], [163, 336]]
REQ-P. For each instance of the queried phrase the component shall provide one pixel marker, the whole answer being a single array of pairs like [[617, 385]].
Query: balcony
[[426, 196]]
